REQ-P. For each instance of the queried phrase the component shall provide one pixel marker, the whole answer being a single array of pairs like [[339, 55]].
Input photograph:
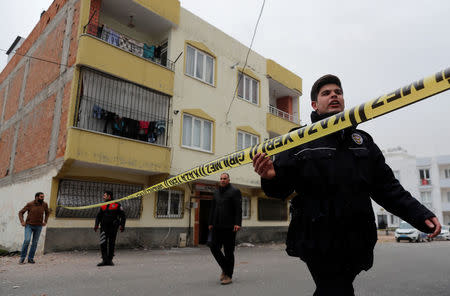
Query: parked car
[[406, 232], [445, 233]]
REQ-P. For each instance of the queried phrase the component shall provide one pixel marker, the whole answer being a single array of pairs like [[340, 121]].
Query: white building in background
[[428, 180]]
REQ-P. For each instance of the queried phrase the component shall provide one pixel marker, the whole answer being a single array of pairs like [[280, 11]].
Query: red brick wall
[[6, 142], [41, 74], [62, 137], [33, 141], [93, 24], [74, 35], [12, 102], [285, 104], [34, 35], [2, 98]]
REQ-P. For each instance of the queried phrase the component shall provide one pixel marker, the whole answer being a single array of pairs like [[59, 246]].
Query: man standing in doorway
[[110, 217], [225, 220], [33, 225]]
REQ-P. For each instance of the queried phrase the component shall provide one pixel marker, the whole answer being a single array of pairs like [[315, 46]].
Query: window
[[199, 65], [448, 196], [197, 133], [394, 219], [424, 175], [77, 193], [272, 209], [245, 207], [248, 88], [245, 140], [425, 197], [169, 204], [447, 173]]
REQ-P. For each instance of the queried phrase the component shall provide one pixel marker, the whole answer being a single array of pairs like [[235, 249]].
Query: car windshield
[[405, 225]]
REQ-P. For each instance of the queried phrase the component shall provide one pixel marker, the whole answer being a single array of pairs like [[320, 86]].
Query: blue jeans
[[36, 231]]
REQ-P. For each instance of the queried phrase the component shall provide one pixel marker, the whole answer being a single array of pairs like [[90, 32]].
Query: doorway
[[205, 208]]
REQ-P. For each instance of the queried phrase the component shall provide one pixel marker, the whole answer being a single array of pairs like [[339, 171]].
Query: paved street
[[400, 269]]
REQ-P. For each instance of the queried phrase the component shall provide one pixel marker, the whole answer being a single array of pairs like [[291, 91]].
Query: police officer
[[110, 217], [333, 225]]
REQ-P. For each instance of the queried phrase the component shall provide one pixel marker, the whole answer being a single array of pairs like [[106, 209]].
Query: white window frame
[[202, 133], [169, 200], [246, 207], [426, 176], [242, 134], [447, 173], [198, 53], [242, 88]]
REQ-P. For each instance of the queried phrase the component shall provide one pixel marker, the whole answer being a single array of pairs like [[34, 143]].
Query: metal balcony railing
[[154, 53], [282, 114]]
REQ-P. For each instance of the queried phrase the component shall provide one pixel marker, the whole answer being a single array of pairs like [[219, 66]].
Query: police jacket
[[111, 215], [226, 208], [335, 178]]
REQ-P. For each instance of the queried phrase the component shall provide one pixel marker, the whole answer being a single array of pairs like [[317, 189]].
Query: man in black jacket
[[333, 225], [224, 221], [110, 217]]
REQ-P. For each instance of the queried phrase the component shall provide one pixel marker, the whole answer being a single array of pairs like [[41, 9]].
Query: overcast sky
[[375, 47]]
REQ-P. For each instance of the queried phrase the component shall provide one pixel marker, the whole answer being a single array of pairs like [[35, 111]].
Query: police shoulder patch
[[357, 138]]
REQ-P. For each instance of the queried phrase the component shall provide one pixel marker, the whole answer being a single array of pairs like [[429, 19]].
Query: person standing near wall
[[225, 221], [33, 225], [110, 217]]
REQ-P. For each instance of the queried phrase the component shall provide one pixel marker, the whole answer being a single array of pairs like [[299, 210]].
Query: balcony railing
[[425, 182], [282, 114], [154, 53], [112, 106]]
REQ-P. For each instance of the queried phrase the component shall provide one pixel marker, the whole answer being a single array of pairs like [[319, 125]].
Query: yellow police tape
[[404, 96]]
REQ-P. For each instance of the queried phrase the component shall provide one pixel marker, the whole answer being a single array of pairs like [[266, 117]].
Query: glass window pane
[[254, 141], [163, 203], [190, 60], [247, 88], [199, 66], [254, 92], [247, 141], [207, 126], [197, 133], [241, 86], [209, 70], [240, 141], [187, 130], [174, 203]]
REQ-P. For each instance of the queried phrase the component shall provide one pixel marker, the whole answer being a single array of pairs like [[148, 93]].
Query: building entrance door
[[205, 208]]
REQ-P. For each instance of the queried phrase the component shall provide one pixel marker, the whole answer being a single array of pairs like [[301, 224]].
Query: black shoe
[[110, 263], [103, 263], [31, 261], [22, 261]]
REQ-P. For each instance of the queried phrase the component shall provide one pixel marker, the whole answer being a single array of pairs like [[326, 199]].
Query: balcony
[[424, 182], [153, 53], [282, 114], [116, 113]]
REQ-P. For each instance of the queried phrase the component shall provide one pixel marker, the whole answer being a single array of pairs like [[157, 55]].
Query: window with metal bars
[[113, 106], [272, 209], [77, 193], [169, 204]]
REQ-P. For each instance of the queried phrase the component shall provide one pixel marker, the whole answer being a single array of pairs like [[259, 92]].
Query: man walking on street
[[33, 225], [333, 225], [224, 221], [110, 217]]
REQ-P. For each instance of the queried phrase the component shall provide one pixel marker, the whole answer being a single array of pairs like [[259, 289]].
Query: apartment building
[[426, 178], [133, 92]]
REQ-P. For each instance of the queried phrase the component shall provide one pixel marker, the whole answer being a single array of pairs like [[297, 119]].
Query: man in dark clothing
[[224, 221], [333, 225], [110, 217], [33, 225]]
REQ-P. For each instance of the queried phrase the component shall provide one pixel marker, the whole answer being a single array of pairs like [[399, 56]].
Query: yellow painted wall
[[284, 76], [169, 9], [103, 149], [108, 58], [279, 125]]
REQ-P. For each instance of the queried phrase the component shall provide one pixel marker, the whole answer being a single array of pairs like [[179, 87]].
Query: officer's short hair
[[108, 192]]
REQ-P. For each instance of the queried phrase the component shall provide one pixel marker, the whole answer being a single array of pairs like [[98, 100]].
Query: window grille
[[81, 193], [246, 207], [113, 106], [169, 204]]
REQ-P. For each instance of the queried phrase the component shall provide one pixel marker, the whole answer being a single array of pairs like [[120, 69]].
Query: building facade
[[125, 94], [426, 178]]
